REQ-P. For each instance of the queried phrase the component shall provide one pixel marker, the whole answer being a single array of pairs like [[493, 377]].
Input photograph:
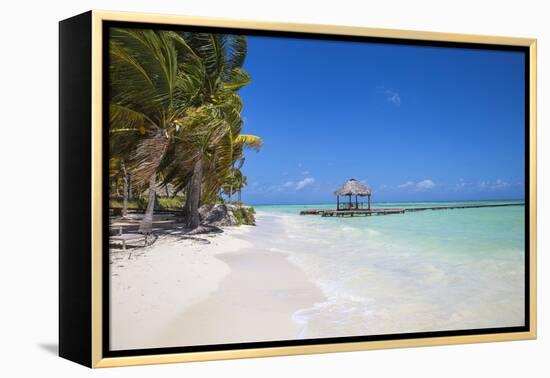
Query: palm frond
[[236, 79], [154, 72], [147, 157], [236, 49], [122, 117], [210, 48], [250, 141]]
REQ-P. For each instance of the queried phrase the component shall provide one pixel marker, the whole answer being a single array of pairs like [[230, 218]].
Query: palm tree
[[236, 180], [174, 109], [240, 182], [243, 141], [204, 153], [228, 186], [218, 109], [154, 78]]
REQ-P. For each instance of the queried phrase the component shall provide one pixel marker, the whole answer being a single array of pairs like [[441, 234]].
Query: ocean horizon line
[[392, 202]]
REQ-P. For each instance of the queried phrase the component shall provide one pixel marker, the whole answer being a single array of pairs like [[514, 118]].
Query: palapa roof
[[354, 188]]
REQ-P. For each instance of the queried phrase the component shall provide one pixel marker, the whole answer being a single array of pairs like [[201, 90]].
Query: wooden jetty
[[392, 210], [359, 212], [450, 207]]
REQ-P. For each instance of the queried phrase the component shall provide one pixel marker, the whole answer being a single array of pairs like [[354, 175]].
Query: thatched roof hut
[[352, 188]]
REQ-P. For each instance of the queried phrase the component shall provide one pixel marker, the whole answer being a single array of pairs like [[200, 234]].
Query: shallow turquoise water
[[418, 271], [492, 230]]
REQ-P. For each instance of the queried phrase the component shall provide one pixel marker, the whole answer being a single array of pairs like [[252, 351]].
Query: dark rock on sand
[[218, 215], [205, 229], [226, 215]]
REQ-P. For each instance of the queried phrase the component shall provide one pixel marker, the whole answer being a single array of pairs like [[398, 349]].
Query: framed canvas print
[[237, 189]]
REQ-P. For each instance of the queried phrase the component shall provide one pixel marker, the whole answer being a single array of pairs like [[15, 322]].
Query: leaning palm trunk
[[130, 193], [148, 156], [124, 189], [146, 224], [192, 201], [117, 189]]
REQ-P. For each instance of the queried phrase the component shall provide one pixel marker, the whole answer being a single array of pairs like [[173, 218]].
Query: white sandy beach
[[210, 290]]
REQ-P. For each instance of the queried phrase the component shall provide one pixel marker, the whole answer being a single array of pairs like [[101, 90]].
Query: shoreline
[[257, 301]]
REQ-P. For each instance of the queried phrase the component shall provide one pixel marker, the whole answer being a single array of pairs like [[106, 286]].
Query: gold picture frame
[[94, 300]]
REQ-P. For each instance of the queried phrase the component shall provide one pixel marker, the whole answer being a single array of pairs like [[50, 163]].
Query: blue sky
[[414, 123]]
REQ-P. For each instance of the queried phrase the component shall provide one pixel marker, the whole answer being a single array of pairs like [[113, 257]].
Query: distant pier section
[[350, 205], [394, 210]]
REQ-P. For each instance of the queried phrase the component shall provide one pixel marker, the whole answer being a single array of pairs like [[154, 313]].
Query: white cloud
[[305, 182], [406, 184], [500, 184], [305, 173], [411, 185], [425, 184], [391, 96], [292, 185], [460, 186], [464, 186], [395, 98], [494, 185]]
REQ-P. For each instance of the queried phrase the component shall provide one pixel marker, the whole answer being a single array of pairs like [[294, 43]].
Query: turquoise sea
[[412, 272]]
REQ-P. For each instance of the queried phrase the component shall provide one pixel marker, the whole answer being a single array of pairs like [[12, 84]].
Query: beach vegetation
[[245, 215], [175, 118], [163, 203]]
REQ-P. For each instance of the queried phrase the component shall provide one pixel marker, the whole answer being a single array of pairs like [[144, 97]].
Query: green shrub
[[135, 203], [245, 215], [166, 203], [171, 203]]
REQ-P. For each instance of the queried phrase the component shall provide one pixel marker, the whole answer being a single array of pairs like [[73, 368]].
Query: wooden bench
[[124, 238]]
